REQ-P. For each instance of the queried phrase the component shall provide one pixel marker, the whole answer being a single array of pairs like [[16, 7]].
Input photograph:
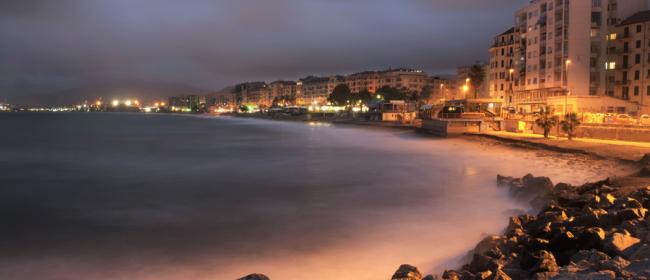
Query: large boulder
[[591, 238], [617, 243], [255, 276], [407, 272], [617, 264]]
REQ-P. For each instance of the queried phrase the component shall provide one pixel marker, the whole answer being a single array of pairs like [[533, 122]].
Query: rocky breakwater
[[595, 231]]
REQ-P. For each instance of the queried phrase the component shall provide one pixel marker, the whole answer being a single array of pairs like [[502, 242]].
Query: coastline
[[613, 237]]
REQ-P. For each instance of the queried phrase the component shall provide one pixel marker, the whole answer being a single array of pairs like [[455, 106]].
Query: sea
[[160, 196]]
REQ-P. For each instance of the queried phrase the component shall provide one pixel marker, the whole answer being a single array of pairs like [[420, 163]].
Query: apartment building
[[441, 89], [503, 70], [359, 82], [630, 46], [407, 80], [255, 93], [564, 49], [318, 89], [282, 89]]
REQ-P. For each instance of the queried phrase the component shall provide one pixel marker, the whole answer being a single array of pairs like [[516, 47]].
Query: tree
[[340, 95], [546, 121], [425, 95], [362, 97], [390, 93], [569, 124], [476, 77]]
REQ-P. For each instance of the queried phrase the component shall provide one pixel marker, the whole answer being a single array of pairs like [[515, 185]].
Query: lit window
[[610, 65]]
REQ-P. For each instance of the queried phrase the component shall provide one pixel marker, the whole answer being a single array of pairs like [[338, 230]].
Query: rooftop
[[639, 17]]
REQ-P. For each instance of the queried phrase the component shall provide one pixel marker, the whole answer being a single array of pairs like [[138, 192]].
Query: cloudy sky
[[50, 45]]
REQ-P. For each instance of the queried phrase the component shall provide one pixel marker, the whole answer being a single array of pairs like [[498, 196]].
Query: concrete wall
[[604, 132]]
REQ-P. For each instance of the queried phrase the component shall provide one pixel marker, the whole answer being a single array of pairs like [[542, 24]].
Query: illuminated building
[[503, 70], [564, 49]]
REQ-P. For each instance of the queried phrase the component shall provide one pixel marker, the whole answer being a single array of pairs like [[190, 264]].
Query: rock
[[483, 275], [591, 256], [407, 272], [451, 275], [430, 277], [506, 181], [499, 275], [632, 214], [617, 243], [541, 261], [563, 241], [591, 238], [488, 243], [255, 277], [645, 160], [627, 202], [641, 253], [593, 187], [606, 200], [601, 275], [539, 185], [640, 267], [616, 264]]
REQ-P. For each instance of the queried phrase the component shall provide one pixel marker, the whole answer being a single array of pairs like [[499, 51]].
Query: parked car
[[624, 119], [644, 120]]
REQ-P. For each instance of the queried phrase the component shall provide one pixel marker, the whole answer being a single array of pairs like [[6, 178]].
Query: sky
[[48, 46]]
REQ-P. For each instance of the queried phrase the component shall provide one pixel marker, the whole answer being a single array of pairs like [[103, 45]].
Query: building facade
[[255, 94], [282, 90], [564, 46], [502, 73], [630, 64], [316, 90]]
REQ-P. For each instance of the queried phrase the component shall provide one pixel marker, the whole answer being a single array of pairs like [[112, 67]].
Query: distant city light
[[116, 103], [127, 103]]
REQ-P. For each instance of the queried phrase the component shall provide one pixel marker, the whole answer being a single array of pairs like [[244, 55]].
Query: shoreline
[[640, 156], [606, 237]]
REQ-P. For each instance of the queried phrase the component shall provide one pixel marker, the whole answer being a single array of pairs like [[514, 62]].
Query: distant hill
[[132, 89]]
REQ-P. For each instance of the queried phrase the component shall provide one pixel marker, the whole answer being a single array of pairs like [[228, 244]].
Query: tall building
[[503, 69], [255, 93], [630, 65], [564, 49], [282, 90], [318, 89], [359, 82]]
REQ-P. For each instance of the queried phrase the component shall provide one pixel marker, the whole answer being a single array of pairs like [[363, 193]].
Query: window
[[637, 58], [610, 65], [624, 76], [596, 3], [647, 91], [625, 94], [636, 91], [626, 32], [626, 47], [638, 44], [637, 75], [639, 28]]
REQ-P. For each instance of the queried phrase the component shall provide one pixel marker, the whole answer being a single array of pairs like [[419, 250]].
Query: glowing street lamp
[[127, 103], [116, 103], [567, 63], [136, 102]]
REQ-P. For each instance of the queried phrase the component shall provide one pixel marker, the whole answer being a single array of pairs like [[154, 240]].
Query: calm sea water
[[127, 196]]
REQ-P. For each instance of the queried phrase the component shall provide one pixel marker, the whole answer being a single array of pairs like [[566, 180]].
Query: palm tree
[[569, 124], [546, 121]]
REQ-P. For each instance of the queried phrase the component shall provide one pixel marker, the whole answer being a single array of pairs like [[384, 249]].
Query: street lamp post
[[567, 63]]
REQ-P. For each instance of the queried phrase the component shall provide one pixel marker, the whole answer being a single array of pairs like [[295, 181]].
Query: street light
[[567, 63]]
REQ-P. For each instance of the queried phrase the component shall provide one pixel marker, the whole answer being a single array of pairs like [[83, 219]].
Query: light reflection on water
[[101, 196]]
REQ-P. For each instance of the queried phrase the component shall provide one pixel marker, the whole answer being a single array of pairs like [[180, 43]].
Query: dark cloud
[[48, 46]]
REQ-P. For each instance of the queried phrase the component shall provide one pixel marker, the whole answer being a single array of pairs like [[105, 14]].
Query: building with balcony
[[285, 90], [316, 90], [629, 64], [406, 80], [564, 45], [359, 82], [503, 69]]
